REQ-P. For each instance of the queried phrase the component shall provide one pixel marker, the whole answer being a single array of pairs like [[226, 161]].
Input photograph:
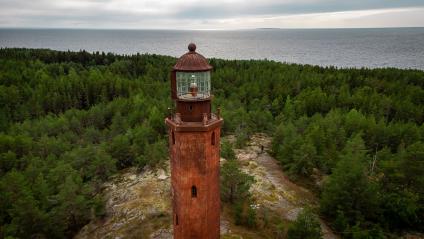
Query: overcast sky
[[210, 14]]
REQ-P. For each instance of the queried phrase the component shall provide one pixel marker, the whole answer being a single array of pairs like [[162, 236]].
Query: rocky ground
[[272, 188], [138, 203], [137, 206]]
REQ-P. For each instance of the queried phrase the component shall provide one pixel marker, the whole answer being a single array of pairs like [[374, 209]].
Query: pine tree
[[235, 184], [349, 189], [306, 226]]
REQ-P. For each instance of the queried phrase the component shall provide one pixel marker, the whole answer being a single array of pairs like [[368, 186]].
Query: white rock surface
[[138, 204], [272, 188]]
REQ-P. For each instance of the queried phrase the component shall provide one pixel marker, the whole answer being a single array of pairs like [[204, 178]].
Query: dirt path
[[273, 189]]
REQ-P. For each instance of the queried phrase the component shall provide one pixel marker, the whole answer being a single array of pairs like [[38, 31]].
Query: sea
[[342, 48]]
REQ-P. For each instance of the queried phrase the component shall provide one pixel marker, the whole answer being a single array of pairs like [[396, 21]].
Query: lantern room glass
[[185, 80]]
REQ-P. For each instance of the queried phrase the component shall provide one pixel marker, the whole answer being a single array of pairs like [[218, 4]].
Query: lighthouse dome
[[192, 61]]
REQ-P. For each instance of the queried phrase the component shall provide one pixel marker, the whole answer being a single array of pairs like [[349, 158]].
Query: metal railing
[[206, 118]]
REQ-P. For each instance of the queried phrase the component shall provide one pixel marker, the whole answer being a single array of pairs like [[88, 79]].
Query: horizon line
[[211, 29]]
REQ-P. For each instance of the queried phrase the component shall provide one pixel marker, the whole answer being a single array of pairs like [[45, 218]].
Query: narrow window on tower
[[173, 137], [190, 107], [176, 219], [213, 138], [193, 192]]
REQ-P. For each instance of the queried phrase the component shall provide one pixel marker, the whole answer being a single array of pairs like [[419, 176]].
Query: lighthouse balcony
[[209, 121]]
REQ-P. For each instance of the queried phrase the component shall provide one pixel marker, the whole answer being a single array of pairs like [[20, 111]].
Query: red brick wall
[[195, 161]]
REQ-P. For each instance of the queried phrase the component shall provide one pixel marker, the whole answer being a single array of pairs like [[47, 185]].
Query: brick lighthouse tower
[[194, 140]]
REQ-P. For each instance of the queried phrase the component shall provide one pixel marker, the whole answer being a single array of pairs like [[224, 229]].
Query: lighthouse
[[194, 146]]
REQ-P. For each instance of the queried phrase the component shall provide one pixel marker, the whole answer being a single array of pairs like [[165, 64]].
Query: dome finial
[[192, 47]]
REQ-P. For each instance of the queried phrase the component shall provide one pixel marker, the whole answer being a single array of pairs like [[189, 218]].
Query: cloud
[[412, 17], [217, 14], [217, 9]]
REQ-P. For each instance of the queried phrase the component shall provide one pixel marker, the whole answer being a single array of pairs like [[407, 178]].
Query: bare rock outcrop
[[272, 188], [138, 204]]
